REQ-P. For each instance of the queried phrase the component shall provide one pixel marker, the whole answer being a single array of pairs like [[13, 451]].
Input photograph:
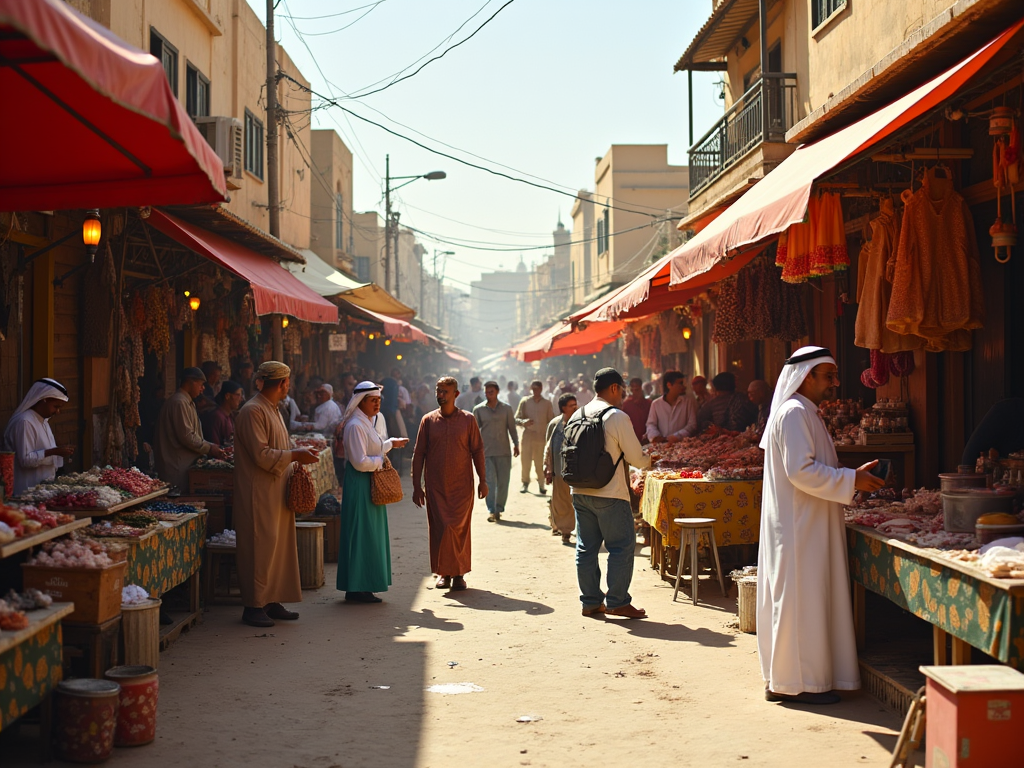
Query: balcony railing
[[744, 126]]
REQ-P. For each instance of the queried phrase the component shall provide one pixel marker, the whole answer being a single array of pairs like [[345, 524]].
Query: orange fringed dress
[[936, 278], [816, 247]]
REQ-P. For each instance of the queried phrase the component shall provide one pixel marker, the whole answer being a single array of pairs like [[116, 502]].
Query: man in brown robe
[[449, 445], [179, 435], [268, 559]]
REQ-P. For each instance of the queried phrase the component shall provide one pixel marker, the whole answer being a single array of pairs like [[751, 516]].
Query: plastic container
[[988, 533], [85, 719], [961, 509], [140, 689]]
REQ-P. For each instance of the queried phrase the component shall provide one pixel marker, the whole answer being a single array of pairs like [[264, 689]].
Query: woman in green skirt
[[364, 557]]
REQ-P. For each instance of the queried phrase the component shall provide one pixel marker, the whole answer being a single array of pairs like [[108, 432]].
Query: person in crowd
[[267, 557], [448, 448], [37, 457], [472, 397], [648, 389], [637, 407], [393, 419], [327, 415], [673, 415], [561, 388], [207, 400], [364, 555], [760, 396], [179, 435], [699, 385], [290, 411], [244, 376], [551, 387], [149, 412], [584, 394], [497, 424], [603, 515], [562, 516], [805, 636], [348, 384], [512, 396], [533, 415], [219, 424], [728, 409]]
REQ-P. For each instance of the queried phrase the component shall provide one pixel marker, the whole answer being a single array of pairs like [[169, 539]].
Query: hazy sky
[[544, 88]]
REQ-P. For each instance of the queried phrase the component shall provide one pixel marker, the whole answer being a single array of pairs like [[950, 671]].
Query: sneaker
[[256, 617], [494, 517], [543, 491]]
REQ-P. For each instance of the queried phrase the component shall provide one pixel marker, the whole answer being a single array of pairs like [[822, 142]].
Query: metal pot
[[962, 508], [951, 481]]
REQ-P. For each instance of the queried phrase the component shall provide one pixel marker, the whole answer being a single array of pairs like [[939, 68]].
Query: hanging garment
[[874, 290], [936, 285], [672, 341], [817, 247]]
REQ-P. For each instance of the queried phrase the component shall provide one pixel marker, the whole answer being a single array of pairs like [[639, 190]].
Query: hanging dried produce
[[158, 332], [729, 325]]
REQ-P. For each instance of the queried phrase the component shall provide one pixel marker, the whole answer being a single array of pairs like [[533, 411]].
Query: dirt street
[[345, 685]]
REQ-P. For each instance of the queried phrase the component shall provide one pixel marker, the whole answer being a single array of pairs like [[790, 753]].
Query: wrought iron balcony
[[744, 126]]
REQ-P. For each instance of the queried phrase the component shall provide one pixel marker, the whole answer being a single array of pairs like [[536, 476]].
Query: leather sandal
[[278, 611], [458, 584], [627, 611], [593, 610], [256, 617], [443, 582]]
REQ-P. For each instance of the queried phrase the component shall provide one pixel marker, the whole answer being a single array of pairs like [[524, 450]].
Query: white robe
[[805, 634], [29, 436]]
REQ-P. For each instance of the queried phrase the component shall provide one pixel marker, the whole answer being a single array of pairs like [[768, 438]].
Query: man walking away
[[448, 447], [599, 447], [805, 634], [673, 415], [472, 397], [512, 396], [563, 516], [497, 424], [533, 415]]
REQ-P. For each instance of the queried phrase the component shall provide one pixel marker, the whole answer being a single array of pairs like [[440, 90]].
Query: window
[[339, 215], [197, 93], [604, 232], [601, 244], [168, 56], [823, 10], [362, 268], [253, 144]]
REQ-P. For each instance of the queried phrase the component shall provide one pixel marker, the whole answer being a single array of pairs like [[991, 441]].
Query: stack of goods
[[638, 477], [72, 553], [842, 419], [130, 480], [127, 525], [886, 421], [313, 440], [168, 511], [227, 464], [818, 247], [916, 518], [715, 455], [1000, 562], [27, 520], [756, 304], [95, 489]]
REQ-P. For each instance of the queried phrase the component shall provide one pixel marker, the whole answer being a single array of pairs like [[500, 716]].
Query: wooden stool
[[98, 643], [220, 563], [692, 529]]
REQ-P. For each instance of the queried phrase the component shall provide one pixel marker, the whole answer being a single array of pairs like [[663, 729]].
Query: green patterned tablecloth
[[32, 668], [987, 613], [163, 560]]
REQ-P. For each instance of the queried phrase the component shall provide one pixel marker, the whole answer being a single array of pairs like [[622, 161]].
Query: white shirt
[[512, 398], [29, 435], [328, 416], [403, 397], [366, 442], [583, 397], [469, 399], [619, 440], [679, 420], [293, 413]]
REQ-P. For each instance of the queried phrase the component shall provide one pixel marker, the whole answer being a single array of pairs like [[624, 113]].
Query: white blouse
[[366, 441]]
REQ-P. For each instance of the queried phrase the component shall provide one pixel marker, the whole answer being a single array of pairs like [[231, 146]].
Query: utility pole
[[438, 279], [272, 164], [387, 221], [398, 256]]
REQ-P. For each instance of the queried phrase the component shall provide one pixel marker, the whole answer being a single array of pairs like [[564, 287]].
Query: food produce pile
[[1000, 562], [12, 619], [27, 520], [212, 464], [842, 419], [638, 477], [313, 440], [168, 510], [72, 553], [131, 480], [913, 516], [130, 525], [97, 488], [731, 455], [29, 600], [223, 539]]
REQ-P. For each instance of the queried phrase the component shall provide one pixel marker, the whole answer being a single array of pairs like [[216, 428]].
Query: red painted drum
[[136, 723], [86, 718]]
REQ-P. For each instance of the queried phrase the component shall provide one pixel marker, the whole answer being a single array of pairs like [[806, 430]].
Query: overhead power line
[[329, 15]]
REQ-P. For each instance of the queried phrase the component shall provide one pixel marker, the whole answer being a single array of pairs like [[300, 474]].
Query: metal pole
[[272, 164], [387, 222], [762, 10], [422, 306], [689, 98], [437, 318], [398, 257]]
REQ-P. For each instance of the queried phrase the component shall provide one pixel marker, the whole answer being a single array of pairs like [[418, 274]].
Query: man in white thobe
[[805, 632], [37, 457], [327, 415]]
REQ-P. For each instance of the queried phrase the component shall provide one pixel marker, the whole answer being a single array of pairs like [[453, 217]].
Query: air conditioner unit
[[224, 134]]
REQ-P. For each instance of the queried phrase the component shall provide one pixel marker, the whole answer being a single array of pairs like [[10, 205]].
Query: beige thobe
[[179, 440], [268, 560]]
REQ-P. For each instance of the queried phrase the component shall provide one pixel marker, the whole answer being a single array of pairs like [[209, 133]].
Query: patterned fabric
[[164, 560], [28, 672], [971, 608], [324, 477], [735, 506]]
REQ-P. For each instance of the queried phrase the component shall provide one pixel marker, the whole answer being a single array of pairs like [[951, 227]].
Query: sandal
[[593, 610], [627, 611], [458, 584], [443, 582]]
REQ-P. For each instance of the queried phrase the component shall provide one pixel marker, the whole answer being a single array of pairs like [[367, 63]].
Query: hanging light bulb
[[188, 293], [91, 231], [371, 337], [687, 333], [193, 302], [387, 343], [284, 322], [398, 357]]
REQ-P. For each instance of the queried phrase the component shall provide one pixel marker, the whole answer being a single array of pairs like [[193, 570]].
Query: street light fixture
[[391, 221]]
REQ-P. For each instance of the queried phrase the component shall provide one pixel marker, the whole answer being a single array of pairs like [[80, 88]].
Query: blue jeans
[[608, 521], [499, 470]]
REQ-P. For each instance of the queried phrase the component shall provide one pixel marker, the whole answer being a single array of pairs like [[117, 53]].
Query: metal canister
[[136, 720], [86, 718]]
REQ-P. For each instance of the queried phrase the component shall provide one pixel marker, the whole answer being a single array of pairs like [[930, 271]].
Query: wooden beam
[[42, 316], [961, 652], [940, 653]]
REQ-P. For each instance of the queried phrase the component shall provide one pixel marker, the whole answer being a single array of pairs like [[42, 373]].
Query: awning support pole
[[762, 10], [689, 98]]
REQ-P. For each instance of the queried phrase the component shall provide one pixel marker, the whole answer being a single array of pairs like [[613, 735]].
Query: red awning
[[560, 339], [398, 329], [780, 198], [275, 289], [91, 122], [457, 357]]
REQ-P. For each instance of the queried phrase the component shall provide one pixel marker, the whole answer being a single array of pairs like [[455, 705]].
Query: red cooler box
[[975, 716]]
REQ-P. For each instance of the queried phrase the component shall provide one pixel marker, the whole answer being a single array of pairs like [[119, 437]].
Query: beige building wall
[[331, 221], [368, 247], [582, 248], [226, 42]]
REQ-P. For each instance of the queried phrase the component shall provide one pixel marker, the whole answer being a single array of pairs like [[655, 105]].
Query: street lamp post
[[390, 224], [437, 319]]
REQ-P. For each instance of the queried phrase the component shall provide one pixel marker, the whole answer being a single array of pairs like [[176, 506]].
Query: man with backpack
[[598, 447]]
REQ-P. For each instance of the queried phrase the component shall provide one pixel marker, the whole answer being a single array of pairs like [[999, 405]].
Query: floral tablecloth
[[324, 477], [165, 559], [735, 505], [984, 612], [29, 671]]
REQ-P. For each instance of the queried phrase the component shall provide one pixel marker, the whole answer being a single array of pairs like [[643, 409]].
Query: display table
[[31, 662], [324, 477], [956, 599], [735, 506], [902, 457]]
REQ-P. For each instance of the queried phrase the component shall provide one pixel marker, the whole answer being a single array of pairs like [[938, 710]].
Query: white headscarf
[[796, 369], [362, 389], [41, 390]]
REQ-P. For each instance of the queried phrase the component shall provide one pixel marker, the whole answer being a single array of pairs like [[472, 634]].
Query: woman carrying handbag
[[364, 556]]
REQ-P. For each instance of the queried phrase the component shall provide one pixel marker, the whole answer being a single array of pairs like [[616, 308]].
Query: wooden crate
[[217, 518], [96, 592], [332, 533], [209, 481]]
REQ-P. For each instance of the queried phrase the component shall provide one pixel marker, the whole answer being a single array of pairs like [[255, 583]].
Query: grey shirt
[[497, 425]]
